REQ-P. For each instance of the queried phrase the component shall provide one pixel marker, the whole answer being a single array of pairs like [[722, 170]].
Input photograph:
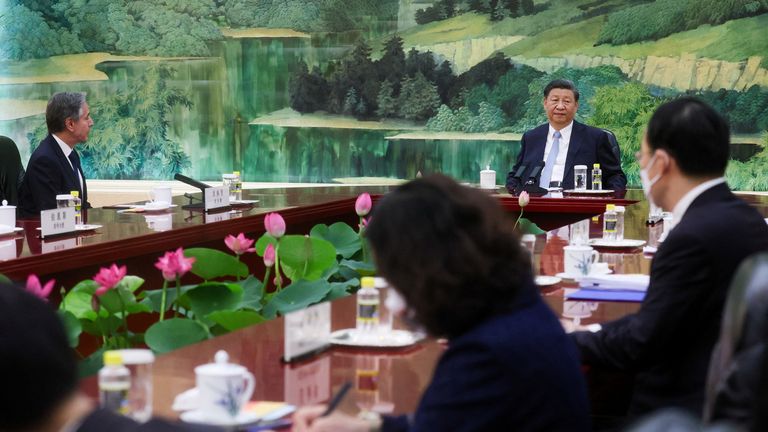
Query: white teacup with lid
[[224, 389], [7, 217]]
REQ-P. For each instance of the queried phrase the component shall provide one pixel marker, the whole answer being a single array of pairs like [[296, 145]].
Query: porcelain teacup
[[224, 388], [579, 259]]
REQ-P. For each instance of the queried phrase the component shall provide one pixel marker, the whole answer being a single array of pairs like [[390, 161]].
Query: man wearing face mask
[[667, 344]]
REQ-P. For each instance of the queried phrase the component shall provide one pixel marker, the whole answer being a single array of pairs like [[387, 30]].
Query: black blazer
[[513, 372], [588, 145], [48, 174], [667, 344]]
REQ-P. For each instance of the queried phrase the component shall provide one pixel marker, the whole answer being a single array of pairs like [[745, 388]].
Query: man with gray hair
[[54, 167]]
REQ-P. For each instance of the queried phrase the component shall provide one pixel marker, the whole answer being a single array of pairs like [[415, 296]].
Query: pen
[[336, 400]]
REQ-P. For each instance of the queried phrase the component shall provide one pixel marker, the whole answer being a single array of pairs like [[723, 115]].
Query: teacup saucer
[[574, 276], [199, 417]]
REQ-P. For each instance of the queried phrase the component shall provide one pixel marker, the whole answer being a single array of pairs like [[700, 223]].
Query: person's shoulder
[[540, 129]]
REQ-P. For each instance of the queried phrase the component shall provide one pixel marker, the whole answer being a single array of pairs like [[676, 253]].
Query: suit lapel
[[73, 182], [539, 138], [577, 137]]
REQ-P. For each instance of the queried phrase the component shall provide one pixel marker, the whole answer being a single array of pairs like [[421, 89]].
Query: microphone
[[519, 173], [190, 181], [535, 173], [532, 185]]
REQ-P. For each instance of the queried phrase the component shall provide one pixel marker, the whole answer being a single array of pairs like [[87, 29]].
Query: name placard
[[59, 245], [216, 197], [307, 330], [217, 217], [57, 221]]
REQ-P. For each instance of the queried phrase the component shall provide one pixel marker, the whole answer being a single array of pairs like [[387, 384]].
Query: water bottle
[[597, 177], [114, 384], [238, 182], [610, 220], [368, 302], [78, 203]]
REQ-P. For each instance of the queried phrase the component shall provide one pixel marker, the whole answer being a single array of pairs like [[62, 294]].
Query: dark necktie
[[75, 159]]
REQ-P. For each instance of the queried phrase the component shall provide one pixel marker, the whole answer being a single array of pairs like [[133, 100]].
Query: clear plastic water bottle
[[238, 183], [597, 177], [368, 302], [114, 384], [78, 203], [610, 220], [620, 223]]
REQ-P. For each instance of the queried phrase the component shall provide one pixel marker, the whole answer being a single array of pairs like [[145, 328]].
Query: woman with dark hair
[[452, 254]]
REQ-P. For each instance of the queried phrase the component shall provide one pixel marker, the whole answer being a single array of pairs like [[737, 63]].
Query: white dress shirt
[[558, 171], [67, 151]]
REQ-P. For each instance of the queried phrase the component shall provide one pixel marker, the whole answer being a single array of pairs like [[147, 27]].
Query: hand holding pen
[[322, 418]]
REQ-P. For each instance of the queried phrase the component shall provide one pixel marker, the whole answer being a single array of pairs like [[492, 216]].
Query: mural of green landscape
[[365, 90]]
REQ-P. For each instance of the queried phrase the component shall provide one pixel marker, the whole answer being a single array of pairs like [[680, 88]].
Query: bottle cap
[[237, 173], [137, 356], [75, 194], [597, 165], [367, 282], [610, 207], [113, 358]]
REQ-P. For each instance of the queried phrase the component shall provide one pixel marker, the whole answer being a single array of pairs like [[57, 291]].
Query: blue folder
[[598, 294]]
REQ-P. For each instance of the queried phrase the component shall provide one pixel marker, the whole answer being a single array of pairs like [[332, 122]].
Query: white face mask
[[395, 303], [648, 184]]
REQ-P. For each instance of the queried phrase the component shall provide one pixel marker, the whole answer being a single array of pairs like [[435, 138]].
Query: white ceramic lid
[[220, 366], [5, 205], [64, 196], [580, 167]]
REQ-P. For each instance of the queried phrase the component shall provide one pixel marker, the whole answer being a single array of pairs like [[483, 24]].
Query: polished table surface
[[125, 235], [390, 381]]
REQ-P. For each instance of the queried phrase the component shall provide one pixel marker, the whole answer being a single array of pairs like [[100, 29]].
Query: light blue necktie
[[546, 174]]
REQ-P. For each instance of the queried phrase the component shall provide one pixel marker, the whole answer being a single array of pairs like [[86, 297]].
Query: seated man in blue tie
[[54, 167], [563, 143]]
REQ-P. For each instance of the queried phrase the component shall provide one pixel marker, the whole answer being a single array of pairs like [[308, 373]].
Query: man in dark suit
[[563, 143], [667, 344], [54, 167]]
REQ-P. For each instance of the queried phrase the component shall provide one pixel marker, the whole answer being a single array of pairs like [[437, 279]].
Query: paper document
[[634, 282]]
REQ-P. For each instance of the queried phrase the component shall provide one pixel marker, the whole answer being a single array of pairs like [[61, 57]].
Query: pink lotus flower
[[34, 287], [109, 277], [274, 224], [240, 244], [174, 264], [269, 256], [363, 204], [523, 199]]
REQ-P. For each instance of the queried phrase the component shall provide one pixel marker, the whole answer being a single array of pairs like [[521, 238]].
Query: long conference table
[[388, 381]]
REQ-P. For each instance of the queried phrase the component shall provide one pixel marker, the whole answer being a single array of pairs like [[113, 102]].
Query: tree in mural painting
[[478, 6], [387, 100], [420, 63], [527, 7], [358, 71], [391, 65], [308, 91], [32, 36], [498, 11], [129, 139], [351, 101], [418, 98], [625, 111], [513, 6], [444, 79]]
